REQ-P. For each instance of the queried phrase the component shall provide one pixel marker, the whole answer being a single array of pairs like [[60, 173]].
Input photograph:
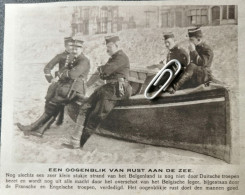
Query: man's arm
[[112, 65], [184, 57], [204, 58], [94, 78], [47, 69], [81, 69]]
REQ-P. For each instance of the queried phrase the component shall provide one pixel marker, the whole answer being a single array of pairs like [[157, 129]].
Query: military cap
[[195, 32], [77, 43], [68, 39], [168, 35], [112, 39]]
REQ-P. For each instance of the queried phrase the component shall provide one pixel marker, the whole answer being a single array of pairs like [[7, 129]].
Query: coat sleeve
[[203, 59], [112, 65], [93, 79], [47, 69], [184, 58], [81, 69]]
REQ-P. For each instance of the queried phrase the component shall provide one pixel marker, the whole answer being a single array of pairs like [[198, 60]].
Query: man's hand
[[54, 80], [48, 77], [192, 47], [170, 90], [101, 74], [99, 69]]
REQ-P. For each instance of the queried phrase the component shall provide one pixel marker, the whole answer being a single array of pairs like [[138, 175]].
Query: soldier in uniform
[[175, 52], [62, 60], [115, 73], [69, 82], [201, 56]]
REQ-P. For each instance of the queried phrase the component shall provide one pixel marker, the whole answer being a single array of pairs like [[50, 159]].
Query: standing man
[[201, 55], [115, 73], [70, 81]]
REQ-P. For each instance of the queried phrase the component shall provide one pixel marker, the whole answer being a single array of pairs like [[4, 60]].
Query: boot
[[79, 130], [74, 141], [43, 123], [85, 136], [78, 138], [39, 132], [32, 127], [60, 116]]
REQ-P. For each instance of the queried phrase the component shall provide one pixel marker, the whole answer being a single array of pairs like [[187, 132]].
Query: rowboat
[[195, 119]]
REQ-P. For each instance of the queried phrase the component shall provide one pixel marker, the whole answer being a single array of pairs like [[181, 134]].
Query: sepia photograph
[[123, 97], [80, 74]]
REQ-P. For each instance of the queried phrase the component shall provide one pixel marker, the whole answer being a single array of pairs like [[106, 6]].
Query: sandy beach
[[144, 47]]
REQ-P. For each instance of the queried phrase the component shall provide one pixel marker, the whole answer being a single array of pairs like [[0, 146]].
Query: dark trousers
[[102, 101], [193, 76], [56, 97], [51, 91], [95, 110]]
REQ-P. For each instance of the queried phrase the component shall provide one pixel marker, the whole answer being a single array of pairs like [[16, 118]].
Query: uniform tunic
[[179, 54], [199, 70], [73, 72], [61, 59], [116, 67], [203, 57], [105, 98], [182, 56]]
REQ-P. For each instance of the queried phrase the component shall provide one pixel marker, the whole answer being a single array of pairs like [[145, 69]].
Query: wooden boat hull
[[193, 119]]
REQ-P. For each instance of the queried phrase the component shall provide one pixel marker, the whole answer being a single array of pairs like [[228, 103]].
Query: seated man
[[62, 61], [174, 52], [70, 81], [201, 56], [98, 106]]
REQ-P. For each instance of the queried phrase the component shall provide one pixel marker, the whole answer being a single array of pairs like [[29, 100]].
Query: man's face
[[194, 40], [169, 43], [68, 47], [76, 50], [111, 48]]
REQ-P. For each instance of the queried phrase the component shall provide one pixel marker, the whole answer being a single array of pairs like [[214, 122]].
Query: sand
[[144, 47]]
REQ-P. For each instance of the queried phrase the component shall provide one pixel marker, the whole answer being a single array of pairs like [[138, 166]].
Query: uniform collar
[[80, 55], [200, 43], [117, 52], [174, 48]]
